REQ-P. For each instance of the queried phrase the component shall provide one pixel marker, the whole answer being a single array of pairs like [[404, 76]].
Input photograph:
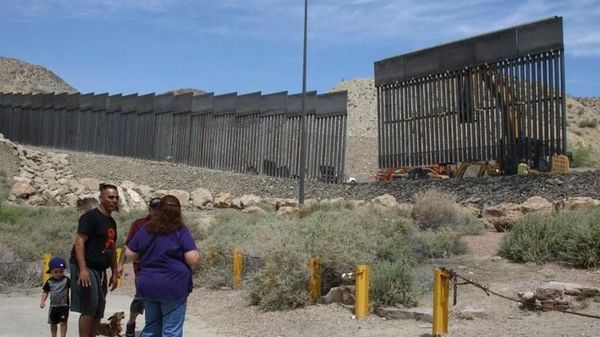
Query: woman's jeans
[[164, 318]]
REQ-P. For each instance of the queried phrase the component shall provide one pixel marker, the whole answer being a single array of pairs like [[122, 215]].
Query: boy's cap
[[154, 202], [56, 262]]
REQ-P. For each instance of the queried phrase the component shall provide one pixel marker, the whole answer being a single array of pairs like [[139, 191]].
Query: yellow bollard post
[[211, 256], [314, 283], [119, 252], [361, 305], [45, 266], [441, 291], [238, 267]]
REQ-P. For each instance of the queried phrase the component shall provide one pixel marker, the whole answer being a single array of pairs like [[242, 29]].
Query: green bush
[[438, 244], [582, 157], [588, 123], [281, 284], [567, 237], [434, 209], [393, 283]]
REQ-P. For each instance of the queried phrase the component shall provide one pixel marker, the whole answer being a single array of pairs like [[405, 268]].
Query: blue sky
[[256, 45]]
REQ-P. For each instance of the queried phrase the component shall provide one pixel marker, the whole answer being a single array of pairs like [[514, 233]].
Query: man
[[137, 305], [92, 254]]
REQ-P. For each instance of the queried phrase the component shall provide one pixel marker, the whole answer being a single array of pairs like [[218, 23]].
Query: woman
[[167, 253]]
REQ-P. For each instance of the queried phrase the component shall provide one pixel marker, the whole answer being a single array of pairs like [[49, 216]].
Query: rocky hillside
[[583, 116], [19, 76]]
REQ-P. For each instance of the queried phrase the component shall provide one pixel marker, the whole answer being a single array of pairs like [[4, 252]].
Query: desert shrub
[[281, 284], [438, 244], [568, 237], [393, 283], [588, 123], [582, 157], [434, 209]]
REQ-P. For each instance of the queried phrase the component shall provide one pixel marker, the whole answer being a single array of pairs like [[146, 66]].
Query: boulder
[[201, 197], [549, 292], [500, 210], [537, 205], [341, 294], [254, 210], [287, 203], [182, 196], [49, 174], [36, 200], [90, 184], [129, 185], [69, 199], [289, 212], [222, 200], [575, 203], [310, 202], [385, 200], [248, 200], [358, 203], [22, 189], [502, 216], [418, 314], [135, 199]]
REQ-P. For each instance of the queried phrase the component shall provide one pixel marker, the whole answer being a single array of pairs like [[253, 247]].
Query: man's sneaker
[[130, 330]]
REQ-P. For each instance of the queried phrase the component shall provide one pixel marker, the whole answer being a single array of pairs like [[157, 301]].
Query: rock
[[69, 199], [36, 200], [537, 205], [75, 187], [419, 314], [385, 200], [496, 258], [254, 210], [358, 203], [129, 185], [548, 292], [341, 294], [90, 184], [575, 203], [287, 203], [310, 202], [135, 199], [473, 210], [182, 196], [145, 191], [527, 296], [572, 289], [123, 200], [500, 210], [248, 200], [502, 216], [470, 313], [22, 189], [49, 174], [26, 174], [201, 197], [86, 203], [160, 193], [292, 213], [222, 200]]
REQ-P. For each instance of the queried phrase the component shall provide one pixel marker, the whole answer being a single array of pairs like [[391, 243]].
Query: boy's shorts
[[58, 315]]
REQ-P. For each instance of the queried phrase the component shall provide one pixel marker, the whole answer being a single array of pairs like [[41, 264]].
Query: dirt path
[[226, 312]]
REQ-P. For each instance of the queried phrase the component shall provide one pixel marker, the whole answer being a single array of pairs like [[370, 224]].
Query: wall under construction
[[495, 97]]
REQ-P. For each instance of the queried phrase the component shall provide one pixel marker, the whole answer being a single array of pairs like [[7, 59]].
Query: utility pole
[[303, 114]]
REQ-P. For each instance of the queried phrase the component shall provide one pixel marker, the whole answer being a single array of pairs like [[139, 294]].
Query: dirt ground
[[227, 313]]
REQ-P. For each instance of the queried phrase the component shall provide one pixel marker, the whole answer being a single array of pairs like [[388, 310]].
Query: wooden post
[[314, 283], [441, 286], [361, 307], [45, 266], [238, 267]]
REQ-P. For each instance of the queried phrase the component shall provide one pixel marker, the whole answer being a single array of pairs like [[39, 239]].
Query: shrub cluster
[[341, 236], [567, 237]]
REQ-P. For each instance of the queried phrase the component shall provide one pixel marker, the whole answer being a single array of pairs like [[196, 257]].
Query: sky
[[222, 46]]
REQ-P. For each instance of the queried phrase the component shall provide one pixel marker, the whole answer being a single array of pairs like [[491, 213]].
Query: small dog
[[113, 327]]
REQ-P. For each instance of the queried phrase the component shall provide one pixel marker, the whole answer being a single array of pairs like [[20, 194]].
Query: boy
[[57, 287]]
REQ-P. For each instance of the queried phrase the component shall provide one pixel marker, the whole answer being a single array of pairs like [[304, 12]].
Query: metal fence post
[[441, 286], [361, 307]]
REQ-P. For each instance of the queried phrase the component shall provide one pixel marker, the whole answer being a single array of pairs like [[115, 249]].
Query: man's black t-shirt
[[101, 231]]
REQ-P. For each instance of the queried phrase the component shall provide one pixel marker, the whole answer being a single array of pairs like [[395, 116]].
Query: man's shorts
[[90, 300], [58, 315], [137, 306]]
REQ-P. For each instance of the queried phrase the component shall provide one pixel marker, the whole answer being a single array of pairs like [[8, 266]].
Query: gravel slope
[[487, 190]]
